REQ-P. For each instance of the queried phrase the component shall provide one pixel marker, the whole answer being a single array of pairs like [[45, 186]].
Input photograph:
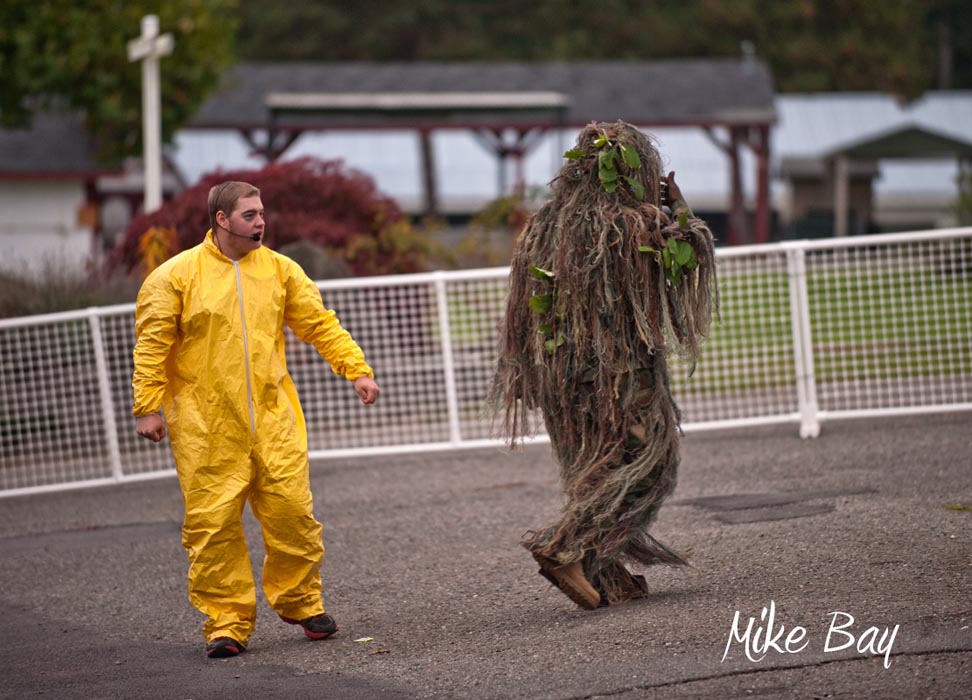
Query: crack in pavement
[[918, 653]]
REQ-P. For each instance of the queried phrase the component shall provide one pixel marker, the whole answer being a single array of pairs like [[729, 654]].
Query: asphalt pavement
[[858, 543]]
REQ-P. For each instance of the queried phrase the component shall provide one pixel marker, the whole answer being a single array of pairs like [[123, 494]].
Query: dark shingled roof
[[54, 145], [681, 92]]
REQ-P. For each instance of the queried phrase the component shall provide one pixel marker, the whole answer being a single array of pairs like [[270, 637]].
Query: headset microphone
[[254, 237]]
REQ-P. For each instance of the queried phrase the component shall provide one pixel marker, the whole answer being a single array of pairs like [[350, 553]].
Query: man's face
[[247, 218], [245, 222]]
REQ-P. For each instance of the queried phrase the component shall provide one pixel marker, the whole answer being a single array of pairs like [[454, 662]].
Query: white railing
[[810, 331]]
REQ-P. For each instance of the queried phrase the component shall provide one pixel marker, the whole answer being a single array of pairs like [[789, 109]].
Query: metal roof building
[[508, 107]]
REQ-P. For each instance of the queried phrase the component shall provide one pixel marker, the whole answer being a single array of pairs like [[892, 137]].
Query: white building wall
[[467, 173], [39, 229]]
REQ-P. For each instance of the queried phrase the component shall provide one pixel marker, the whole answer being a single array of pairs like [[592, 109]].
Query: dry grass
[[60, 286]]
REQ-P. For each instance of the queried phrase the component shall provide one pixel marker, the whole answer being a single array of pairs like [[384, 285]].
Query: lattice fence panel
[[891, 324]]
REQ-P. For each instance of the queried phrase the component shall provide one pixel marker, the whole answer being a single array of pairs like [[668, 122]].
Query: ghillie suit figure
[[603, 280]]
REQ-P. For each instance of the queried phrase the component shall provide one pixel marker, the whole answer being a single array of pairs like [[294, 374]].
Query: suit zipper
[[246, 347]]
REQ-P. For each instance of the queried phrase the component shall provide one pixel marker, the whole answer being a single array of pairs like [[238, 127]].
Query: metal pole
[[448, 365], [104, 391], [806, 383]]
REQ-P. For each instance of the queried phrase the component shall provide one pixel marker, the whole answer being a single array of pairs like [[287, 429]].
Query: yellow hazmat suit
[[210, 352]]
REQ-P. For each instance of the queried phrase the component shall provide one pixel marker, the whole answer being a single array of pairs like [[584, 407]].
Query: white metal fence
[[810, 331]]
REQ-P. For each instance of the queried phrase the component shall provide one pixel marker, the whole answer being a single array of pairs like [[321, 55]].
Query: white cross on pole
[[148, 48]]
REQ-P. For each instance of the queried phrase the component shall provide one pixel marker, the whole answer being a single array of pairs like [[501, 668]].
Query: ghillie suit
[[601, 283]]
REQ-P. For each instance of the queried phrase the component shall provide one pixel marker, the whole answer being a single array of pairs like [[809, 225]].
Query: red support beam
[[761, 149]]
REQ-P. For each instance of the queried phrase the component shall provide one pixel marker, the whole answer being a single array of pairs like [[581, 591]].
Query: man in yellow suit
[[209, 352]]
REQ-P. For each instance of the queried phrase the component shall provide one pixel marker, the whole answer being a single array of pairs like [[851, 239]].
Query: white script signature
[[759, 638]]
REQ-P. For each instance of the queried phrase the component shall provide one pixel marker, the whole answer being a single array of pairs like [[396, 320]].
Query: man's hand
[[670, 192], [150, 427], [366, 388]]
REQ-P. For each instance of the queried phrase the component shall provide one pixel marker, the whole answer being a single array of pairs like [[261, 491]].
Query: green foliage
[[73, 54], [630, 156], [887, 45], [607, 164], [540, 273], [606, 172], [677, 258], [543, 304], [551, 344]]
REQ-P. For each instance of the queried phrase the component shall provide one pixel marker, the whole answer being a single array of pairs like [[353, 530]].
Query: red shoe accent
[[224, 647], [317, 635], [305, 624]]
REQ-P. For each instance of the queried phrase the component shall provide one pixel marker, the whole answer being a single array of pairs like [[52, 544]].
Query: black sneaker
[[224, 647], [316, 627]]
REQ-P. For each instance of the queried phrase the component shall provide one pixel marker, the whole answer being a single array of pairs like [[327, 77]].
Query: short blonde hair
[[224, 196]]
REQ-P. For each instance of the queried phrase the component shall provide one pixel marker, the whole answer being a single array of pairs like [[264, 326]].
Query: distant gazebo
[[841, 178], [272, 104]]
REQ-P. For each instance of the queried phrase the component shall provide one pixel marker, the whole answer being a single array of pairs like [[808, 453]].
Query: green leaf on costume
[[677, 258], [683, 253], [545, 329], [540, 273], [636, 187], [654, 253], [574, 153], [682, 220], [692, 262], [630, 157], [600, 141], [551, 345], [610, 186], [541, 303]]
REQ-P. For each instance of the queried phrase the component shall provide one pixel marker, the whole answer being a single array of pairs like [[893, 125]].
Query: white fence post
[[806, 383], [104, 390], [448, 364]]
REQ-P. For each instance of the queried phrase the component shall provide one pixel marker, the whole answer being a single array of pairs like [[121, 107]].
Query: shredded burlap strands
[[590, 318]]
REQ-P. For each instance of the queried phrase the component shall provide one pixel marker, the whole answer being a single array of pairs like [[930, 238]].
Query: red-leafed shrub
[[306, 199]]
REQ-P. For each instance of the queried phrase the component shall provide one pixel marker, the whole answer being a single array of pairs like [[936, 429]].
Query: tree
[[321, 201], [72, 54], [887, 45]]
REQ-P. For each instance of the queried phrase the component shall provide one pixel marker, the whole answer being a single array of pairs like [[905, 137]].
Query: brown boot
[[635, 587], [569, 578], [617, 585]]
